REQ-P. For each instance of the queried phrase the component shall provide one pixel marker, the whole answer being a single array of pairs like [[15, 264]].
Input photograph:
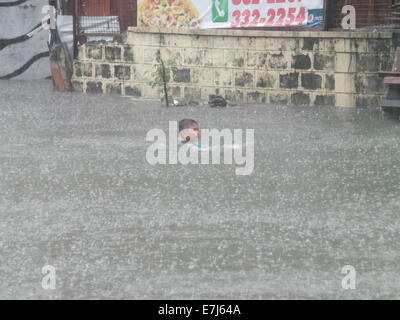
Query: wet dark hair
[[186, 123]]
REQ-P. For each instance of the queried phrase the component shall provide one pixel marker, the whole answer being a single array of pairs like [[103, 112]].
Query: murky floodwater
[[78, 194]]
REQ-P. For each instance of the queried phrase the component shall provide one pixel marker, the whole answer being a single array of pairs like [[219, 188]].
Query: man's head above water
[[189, 131]]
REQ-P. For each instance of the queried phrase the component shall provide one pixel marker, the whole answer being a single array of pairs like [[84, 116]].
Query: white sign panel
[[207, 14]]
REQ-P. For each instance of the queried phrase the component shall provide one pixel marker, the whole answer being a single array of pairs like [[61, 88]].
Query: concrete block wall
[[301, 68]]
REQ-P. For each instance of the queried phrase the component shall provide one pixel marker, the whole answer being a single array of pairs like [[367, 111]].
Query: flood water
[[78, 194]]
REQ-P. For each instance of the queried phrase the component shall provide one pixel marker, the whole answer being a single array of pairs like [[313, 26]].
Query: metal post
[[326, 15], [75, 22]]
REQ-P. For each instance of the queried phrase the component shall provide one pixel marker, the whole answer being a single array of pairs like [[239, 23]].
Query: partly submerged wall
[[23, 57], [302, 68]]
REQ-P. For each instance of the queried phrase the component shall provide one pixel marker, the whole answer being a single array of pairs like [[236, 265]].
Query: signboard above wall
[[208, 14]]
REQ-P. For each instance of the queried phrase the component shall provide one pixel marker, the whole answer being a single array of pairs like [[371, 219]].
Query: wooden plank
[[389, 74], [390, 103], [97, 8], [391, 80], [371, 10], [97, 34], [396, 62], [125, 10], [369, 13]]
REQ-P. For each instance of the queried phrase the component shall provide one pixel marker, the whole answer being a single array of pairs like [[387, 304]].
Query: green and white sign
[[220, 11]]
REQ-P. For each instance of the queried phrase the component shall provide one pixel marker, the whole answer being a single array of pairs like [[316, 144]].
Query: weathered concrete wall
[[310, 68], [25, 58]]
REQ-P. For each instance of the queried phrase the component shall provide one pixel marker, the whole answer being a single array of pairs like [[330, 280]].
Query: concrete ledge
[[266, 33], [245, 66]]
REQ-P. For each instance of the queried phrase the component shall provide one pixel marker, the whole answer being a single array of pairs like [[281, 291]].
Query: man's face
[[191, 134]]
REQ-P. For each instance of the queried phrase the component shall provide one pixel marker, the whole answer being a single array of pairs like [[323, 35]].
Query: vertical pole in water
[[164, 79]]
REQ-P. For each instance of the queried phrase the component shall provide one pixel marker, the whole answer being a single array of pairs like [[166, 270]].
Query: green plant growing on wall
[[162, 75]]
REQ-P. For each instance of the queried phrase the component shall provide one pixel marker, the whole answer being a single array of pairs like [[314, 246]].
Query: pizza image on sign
[[166, 13]]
